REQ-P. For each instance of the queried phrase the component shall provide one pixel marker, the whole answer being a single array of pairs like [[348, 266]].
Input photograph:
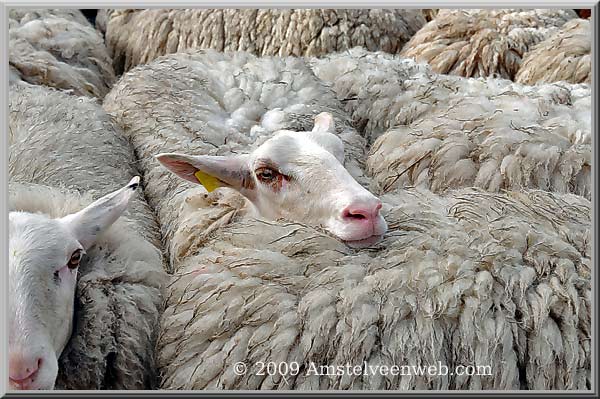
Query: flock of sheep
[[332, 187]]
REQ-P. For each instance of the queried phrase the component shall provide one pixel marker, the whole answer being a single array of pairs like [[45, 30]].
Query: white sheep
[[102, 17], [70, 144], [294, 176], [221, 104], [24, 15], [140, 36], [443, 131], [44, 258], [481, 43], [471, 278], [565, 56], [59, 49]]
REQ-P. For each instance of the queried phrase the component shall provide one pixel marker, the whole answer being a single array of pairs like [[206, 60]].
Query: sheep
[[139, 36], [508, 142], [370, 85], [565, 56], [379, 89], [61, 50], [279, 177], [482, 43], [69, 144], [472, 279], [444, 132], [25, 15], [468, 278], [102, 20], [44, 257], [209, 103]]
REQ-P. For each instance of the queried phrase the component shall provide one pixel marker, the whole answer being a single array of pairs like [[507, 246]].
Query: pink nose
[[362, 211], [23, 369]]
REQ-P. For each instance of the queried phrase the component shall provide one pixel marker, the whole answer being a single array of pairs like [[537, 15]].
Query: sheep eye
[[75, 259], [265, 175]]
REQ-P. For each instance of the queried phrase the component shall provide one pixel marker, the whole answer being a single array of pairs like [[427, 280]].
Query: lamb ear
[[93, 220], [323, 133], [211, 171], [324, 123]]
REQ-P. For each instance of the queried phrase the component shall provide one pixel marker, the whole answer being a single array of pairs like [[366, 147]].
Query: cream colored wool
[[24, 15], [507, 142], [471, 278], [565, 56], [102, 17], [72, 148], [205, 102], [481, 43], [430, 13], [442, 131], [139, 36], [59, 50]]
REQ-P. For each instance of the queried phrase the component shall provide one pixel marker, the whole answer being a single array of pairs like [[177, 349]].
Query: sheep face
[[296, 176], [44, 256]]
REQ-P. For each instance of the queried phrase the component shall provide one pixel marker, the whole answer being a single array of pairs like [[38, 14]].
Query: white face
[[44, 256], [296, 176]]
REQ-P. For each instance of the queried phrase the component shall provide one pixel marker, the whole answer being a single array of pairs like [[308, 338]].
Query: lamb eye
[[265, 174], [75, 259]]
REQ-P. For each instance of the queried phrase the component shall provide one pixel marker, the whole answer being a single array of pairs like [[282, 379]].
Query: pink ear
[[324, 123], [230, 171], [91, 221], [180, 165]]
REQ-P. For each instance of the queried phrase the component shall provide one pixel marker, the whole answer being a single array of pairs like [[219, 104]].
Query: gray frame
[[5, 5]]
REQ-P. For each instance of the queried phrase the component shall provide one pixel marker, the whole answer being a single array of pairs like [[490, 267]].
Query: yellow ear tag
[[208, 181]]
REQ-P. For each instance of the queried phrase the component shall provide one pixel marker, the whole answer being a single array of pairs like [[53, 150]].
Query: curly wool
[[442, 131], [481, 43], [72, 148], [59, 50], [509, 141], [472, 278], [381, 90], [565, 56], [139, 36], [25, 15], [102, 17]]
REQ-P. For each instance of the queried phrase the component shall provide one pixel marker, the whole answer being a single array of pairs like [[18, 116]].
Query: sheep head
[[44, 256], [296, 176]]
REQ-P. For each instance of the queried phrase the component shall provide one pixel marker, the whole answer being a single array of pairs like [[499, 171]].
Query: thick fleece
[[139, 36], [443, 131], [204, 102], [481, 43], [468, 278], [565, 56], [59, 48], [72, 148]]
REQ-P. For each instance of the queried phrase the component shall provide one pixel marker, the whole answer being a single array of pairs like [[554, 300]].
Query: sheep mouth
[[365, 242]]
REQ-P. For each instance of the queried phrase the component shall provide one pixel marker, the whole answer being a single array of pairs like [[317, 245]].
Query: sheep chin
[[364, 243]]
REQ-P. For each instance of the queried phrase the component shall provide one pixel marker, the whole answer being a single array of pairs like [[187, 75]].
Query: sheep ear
[[87, 224], [211, 171], [324, 123]]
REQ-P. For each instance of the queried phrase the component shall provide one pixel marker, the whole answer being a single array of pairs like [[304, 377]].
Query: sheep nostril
[[355, 214]]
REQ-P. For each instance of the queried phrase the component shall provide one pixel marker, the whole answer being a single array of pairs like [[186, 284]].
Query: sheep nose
[[23, 368], [359, 211]]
